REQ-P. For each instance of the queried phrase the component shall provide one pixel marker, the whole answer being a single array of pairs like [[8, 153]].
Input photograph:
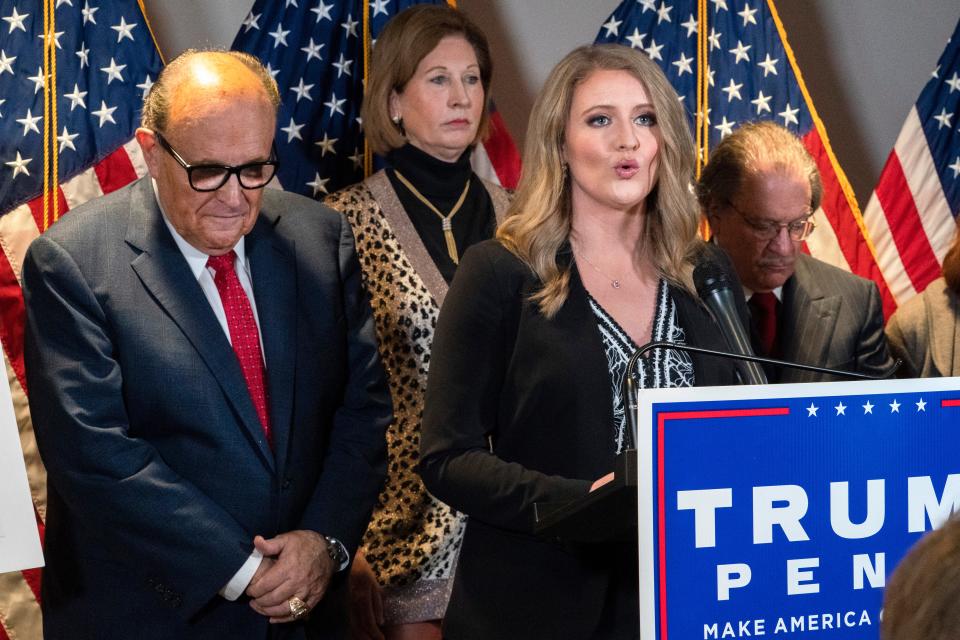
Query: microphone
[[713, 287]]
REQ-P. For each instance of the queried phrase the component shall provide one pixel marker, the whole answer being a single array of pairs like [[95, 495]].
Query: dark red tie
[[763, 309], [243, 332]]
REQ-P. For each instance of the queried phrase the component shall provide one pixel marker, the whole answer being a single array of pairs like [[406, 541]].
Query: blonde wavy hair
[[537, 226]]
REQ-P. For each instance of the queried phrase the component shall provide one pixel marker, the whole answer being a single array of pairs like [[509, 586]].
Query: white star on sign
[[335, 105], [841, 409], [323, 11], [922, 405], [740, 51], [76, 98], [683, 64], [29, 122], [16, 22], [114, 71], [894, 407], [19, 165], [105, 113], [66, 139], [812, 410], [302, 90], [769, 66], [293, 131], [343, 66], [762, 102], [312, 50], [326, 145], [612, 26], [636, 39], [789, 115], [124, 30], [868, 408]]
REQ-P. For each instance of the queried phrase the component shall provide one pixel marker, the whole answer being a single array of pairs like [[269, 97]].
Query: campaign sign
[[781, 510]]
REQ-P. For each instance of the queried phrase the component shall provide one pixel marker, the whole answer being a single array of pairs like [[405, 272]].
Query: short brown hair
[[156, 103], [755, 147], [406, 40], [922, 597]]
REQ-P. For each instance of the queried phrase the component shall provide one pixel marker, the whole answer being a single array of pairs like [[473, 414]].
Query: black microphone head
[[709, 277]]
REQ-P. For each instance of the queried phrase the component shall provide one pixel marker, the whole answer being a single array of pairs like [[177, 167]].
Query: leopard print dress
[[413, 538]]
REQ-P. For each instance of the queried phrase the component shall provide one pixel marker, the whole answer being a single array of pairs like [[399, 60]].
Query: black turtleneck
[[442, 183]]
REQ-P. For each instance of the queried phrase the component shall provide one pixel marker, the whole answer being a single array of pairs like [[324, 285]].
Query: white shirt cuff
[[238, 583]]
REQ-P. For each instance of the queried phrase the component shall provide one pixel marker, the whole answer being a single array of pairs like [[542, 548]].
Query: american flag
[[751, 74], [73, 118], [911, 214], [316, 52]]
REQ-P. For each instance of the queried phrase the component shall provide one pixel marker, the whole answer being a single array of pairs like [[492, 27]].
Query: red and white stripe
[[908, 215]]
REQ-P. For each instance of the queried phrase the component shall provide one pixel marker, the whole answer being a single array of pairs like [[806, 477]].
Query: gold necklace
[[614, 282], [445, 219]]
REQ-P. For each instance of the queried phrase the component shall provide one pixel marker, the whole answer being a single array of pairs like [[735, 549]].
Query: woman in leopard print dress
[[424, 110]]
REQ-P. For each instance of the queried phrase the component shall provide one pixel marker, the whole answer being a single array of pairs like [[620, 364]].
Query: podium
[[608, 514]]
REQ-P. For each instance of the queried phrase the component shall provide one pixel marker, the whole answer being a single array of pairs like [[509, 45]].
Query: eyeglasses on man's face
[[210, 177], [798, 230]]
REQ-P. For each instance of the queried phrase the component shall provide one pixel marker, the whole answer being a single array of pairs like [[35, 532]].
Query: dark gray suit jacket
[[831, 318], [159, 475]]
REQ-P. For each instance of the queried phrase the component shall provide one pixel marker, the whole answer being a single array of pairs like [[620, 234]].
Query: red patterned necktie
[[763, 308], [243, 333]]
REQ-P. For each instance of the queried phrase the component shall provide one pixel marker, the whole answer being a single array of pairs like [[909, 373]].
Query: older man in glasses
[[759, 191], [204, 383]]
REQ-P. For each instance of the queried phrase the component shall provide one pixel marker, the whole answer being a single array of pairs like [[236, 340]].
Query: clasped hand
[[295, 564]]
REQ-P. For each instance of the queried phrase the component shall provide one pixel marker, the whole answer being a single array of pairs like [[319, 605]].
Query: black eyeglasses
[[798, 230], [210, 177]]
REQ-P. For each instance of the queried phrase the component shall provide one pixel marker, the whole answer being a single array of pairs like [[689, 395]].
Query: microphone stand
[[630, 391]]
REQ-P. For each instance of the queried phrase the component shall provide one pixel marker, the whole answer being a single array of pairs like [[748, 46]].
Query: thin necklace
[[447, 220], [614, 282]]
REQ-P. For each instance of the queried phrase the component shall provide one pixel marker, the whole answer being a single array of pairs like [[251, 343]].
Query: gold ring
[[298, 608]]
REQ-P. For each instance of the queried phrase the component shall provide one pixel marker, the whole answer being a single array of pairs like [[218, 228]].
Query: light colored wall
[[864, 61]]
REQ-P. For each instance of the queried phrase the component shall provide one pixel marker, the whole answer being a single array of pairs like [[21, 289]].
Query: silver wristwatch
[[337, 552]]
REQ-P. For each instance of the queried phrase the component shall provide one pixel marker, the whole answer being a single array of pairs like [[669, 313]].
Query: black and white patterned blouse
[[658, 369]]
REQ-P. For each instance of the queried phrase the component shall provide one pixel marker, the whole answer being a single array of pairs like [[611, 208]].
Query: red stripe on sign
[[12, 317], [36, 209], [115, 171], [841, 215], [950, 403], [502, 152], [896, 199]]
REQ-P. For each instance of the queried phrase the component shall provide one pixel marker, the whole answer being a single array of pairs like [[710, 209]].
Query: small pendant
[[615, 284]]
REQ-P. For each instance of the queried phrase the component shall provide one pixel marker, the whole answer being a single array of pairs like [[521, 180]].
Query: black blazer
[[540, 391], [158, 472]]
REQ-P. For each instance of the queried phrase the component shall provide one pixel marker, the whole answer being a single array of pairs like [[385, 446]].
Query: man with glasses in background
[[204, 383], [759, 191]]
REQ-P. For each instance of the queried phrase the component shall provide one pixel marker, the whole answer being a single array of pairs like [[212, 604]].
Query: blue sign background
[[849, 438]]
